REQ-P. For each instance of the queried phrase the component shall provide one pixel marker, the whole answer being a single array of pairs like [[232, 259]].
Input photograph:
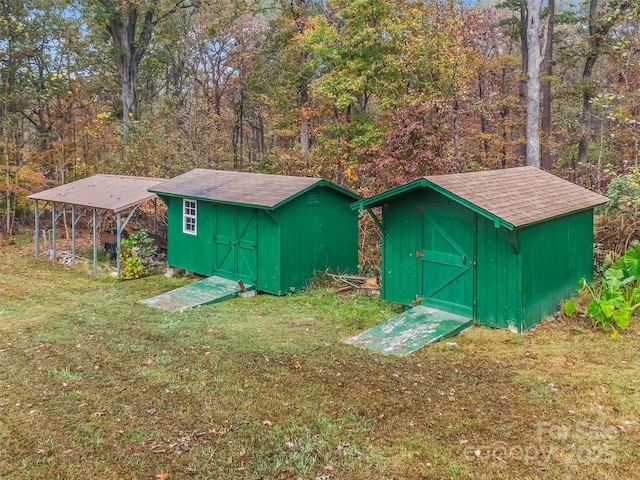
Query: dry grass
[[263, 388]]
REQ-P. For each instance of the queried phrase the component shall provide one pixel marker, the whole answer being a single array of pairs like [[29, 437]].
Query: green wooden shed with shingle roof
[[502, 246], [271, 231]]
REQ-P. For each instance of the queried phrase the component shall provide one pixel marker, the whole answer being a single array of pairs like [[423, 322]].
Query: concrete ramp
[[410, 331], [206, 291]]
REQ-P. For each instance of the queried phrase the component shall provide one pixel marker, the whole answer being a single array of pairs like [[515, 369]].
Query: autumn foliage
[[367, 93]]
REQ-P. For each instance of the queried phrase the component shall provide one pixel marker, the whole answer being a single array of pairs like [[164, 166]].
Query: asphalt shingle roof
[[520, 196], [255, 189]]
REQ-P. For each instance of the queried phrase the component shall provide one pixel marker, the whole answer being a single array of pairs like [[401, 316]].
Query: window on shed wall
[[189, 215]]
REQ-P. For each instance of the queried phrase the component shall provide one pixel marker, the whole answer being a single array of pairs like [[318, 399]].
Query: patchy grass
[[94, 384]]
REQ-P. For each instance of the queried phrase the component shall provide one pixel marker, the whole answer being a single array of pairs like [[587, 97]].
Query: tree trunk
[[456, 132], [547, 69], [533, 84], [8, 184], [598, 32], [587, 90], [483, 120], [305, 141], [524, 51], [238, 134], [129, 75], [122, 27], [303, 99]]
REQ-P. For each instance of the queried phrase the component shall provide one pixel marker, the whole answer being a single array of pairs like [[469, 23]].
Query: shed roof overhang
[[113, 193], [420, 183], [510, 198], [212, 187]]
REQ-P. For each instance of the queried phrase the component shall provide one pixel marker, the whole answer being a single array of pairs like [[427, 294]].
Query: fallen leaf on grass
[[150, 360], [218, 431], [267, 422], [161, 475]]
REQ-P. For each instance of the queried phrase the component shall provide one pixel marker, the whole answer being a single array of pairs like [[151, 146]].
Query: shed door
[[445, 271], [236, 243]]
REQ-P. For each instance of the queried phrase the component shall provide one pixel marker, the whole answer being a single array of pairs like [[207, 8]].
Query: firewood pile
[[64, 257], [371, 285]]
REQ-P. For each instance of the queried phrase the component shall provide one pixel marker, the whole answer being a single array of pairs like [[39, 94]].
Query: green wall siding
[[520, 276], [319, 232], [497, 277], [399, 241], [555, 255], [313, 232], [191, 252], [269, 253]]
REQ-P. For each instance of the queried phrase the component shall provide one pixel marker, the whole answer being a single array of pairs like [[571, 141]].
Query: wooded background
[[366, 93]]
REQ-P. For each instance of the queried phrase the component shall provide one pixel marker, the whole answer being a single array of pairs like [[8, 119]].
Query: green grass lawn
[[94, 384]]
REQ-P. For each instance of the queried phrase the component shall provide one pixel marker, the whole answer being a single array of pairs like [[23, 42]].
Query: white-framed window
[[189, 216]]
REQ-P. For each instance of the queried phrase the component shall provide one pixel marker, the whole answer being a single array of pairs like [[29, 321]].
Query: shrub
[[138, 255], [615, 296]]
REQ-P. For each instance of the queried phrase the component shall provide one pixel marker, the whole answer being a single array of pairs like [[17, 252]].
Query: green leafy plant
[[138, 255], [615, 296]]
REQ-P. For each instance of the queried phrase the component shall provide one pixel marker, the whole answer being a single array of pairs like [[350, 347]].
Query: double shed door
[[236, 243], [446, 258]]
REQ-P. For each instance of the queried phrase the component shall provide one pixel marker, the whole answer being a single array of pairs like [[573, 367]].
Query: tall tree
[[599, 29], [547, 70], [32, 47], [130, 25], [533, 83]]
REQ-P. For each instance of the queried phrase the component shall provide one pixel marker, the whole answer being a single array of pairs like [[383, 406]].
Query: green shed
[[271, 231], [504, 247]]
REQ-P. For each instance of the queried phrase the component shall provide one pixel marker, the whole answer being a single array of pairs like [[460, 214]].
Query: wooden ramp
[[410, 331], [206, 291]]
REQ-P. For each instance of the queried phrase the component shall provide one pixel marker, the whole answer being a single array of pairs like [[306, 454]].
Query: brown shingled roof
[[520, 196], [107, 192], [255, 189]]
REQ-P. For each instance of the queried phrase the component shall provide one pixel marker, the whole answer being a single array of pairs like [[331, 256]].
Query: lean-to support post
[[53, 231], [96, 224], [54, 220], [95, 242], [73, 235], [37, 229], [75, 220], [118, 232], [121, 226]]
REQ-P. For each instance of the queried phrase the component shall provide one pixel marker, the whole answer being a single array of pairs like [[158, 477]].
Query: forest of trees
[[366, 93]]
